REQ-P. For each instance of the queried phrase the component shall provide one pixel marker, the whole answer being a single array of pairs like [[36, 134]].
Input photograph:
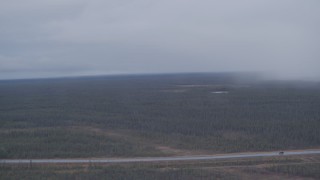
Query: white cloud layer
[[41, 38]]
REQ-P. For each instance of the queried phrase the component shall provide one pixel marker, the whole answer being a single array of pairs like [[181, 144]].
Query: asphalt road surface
[[157, 159]]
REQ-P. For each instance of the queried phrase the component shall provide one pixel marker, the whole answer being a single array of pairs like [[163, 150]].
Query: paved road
[[157, 159]]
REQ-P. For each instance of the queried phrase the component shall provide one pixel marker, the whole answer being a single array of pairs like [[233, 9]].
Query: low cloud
[[76, 37]]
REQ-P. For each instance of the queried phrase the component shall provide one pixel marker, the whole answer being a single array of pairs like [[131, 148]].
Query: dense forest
[[116, 115]]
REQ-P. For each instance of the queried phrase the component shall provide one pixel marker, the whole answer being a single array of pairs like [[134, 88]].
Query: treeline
[[68, 143], [177, 109]]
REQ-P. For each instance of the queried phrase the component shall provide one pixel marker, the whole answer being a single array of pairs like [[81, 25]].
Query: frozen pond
[[220, 92]]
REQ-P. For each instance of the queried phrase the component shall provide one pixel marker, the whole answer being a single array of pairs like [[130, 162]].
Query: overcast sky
[[48, 38]]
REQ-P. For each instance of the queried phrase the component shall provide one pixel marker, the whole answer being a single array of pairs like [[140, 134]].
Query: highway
[[157, 159]]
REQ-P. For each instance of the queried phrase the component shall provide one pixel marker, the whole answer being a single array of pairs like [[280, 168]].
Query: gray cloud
[[76, 37]]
